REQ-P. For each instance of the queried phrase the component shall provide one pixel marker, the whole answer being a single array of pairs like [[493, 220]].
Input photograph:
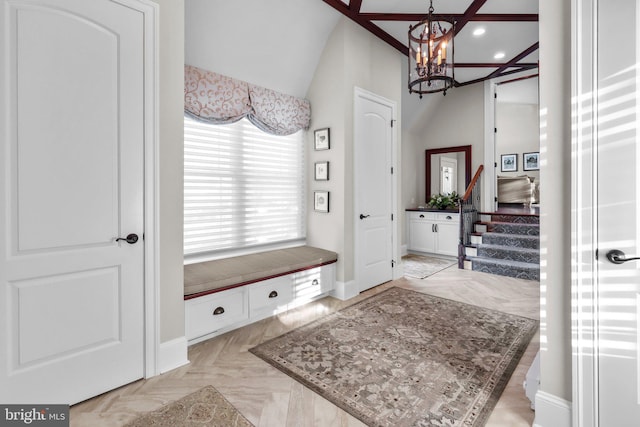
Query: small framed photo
[[321, 201], [509, 163], [322, 171], [531, 161], [321, 139]]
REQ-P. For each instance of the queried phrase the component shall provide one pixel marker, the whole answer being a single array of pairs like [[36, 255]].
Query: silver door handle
[[616, 256]]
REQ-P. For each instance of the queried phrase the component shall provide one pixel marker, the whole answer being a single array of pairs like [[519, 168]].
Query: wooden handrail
[[472, 184]]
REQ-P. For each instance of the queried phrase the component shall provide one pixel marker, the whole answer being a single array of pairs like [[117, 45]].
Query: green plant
[[444, 201]]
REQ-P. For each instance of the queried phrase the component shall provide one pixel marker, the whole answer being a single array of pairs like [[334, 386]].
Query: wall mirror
[[448, 169]]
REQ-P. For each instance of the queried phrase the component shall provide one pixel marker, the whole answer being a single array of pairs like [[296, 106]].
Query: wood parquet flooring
[[269, 398]]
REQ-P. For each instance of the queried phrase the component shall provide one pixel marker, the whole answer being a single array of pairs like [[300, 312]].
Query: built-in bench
[[225, 294]]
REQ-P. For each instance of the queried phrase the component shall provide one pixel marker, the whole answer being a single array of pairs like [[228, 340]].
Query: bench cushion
[[204, 277]]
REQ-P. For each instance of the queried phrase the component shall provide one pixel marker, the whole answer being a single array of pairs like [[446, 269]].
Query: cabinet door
[[422, 236], [447, 238]]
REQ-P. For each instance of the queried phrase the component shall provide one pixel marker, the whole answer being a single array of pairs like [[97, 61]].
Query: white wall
[[352, 57], [555, 219], [274, 44], [518, 133], [171, 168]]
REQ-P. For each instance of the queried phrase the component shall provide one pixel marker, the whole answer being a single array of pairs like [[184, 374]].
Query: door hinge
[[495, 130], [495, 199], [596, 254], [392, 122], [495, 95], [391, 217], [393, 263], [495, 165]]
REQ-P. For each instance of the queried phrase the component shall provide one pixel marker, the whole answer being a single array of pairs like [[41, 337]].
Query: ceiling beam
[[528, 51], [492, 64], [374, 29], [355, 5], [480, 17], [468, 14]]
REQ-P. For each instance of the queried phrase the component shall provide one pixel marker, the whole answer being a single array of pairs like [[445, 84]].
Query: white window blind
[[242, 187]]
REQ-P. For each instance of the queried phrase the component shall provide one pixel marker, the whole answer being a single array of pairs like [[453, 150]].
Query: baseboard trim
[[552, 411], [173, 354], [345, 290]]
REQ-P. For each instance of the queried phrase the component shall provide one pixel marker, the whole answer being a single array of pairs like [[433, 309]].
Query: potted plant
[[444, 201]]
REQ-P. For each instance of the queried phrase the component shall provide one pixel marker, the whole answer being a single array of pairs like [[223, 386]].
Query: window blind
[[242, 187]]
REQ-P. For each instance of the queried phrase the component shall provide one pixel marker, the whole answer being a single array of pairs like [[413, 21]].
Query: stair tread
[[507, 248], [512, 235], [509, 213], [504, 262], [515, 224]]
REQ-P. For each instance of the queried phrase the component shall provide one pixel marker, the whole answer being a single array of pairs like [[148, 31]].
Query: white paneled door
[[618, 220], [71, 183], [373, 141], [607, 235]]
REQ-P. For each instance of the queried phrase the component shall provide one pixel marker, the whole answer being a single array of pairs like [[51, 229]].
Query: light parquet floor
[[269, 398]]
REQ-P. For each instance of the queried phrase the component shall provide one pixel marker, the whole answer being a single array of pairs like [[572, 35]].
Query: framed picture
[[321, 139], [322, 171], [509, 163], [531, 161], [321, 201]]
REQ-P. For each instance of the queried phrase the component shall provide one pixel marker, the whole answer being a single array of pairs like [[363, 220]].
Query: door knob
[[130, 239], [616, 256], [363, 216]]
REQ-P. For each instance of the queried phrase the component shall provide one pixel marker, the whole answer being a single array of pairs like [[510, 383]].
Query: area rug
[[206, 407], [421, 266], [403, 358]]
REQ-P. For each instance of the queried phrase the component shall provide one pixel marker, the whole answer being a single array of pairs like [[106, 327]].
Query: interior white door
[[618, 213], [71, 182], [448, 175], [373, 140]]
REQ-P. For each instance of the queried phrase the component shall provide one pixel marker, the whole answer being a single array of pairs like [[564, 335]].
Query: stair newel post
[[469, 208]]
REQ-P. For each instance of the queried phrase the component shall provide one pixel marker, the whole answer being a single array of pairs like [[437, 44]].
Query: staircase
[[507, 244]]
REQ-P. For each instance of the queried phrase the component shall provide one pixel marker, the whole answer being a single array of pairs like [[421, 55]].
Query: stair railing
[[469, 209]]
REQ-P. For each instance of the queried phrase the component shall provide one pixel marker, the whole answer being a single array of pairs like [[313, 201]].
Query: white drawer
[[447, 217], [422, 215], [271, 293], [310, 283], [212, 312]]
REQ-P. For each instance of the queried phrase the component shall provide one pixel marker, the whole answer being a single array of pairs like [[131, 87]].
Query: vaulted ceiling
[[508, 44]]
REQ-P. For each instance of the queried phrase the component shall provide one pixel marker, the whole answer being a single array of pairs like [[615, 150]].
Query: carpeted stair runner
[[507, 245]]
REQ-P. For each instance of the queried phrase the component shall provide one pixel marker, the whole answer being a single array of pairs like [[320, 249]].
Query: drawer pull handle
[[218, 310], [315, 282], [273, 294], [421, 216], [449, 217]]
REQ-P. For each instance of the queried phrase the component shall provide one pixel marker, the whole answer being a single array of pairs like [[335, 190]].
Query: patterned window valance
[[219, 99]]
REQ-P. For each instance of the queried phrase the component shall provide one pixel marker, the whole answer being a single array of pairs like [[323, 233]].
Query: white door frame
[[584, 286], [395, 252], [151, 184]]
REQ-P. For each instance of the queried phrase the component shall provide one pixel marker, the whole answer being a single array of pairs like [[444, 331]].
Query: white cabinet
[[433, 232], [211, 315]]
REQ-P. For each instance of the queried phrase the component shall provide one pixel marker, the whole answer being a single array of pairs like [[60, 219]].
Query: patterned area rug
[[421, 266], [205, 407], [402, 358]]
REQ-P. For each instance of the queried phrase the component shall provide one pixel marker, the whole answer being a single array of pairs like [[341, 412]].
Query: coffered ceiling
[[508, 42]]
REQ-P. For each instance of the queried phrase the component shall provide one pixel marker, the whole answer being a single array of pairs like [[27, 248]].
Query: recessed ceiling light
[[498, 55], [479, 31]]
